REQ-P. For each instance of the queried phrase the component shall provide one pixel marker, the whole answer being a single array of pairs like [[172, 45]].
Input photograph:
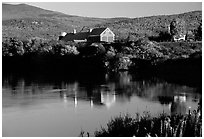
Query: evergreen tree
[[198, 33]]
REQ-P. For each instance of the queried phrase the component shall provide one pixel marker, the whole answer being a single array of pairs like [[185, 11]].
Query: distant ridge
[[25, 11]]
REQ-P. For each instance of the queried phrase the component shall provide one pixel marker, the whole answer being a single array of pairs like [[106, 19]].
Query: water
[[53, 105]]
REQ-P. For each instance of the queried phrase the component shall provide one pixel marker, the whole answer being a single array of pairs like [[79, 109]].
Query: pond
[[63, 105]]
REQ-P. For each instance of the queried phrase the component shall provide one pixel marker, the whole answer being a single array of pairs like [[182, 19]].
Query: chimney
[[169, 29], [90, 30], [74, 31], [63, 34]]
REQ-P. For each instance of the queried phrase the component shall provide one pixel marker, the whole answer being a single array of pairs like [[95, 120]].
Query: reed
[[189, 125]]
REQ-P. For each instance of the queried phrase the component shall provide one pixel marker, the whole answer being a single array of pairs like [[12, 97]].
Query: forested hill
[[25, 21], [151, 26]]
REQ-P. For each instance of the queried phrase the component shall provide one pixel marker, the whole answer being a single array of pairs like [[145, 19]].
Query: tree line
[[36, 46]]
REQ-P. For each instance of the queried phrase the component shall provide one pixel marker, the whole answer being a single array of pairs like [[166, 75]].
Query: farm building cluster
[[106, 35], [93, 35]]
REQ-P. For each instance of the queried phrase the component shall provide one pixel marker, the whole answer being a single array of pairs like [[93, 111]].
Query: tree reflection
[[122, 88], [165, 99], [104, 90]]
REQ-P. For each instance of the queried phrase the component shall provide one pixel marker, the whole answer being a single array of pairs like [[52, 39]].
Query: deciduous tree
[[198, 33], [178, 27]]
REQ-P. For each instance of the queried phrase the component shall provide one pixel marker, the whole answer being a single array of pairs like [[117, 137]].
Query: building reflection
[[109, 94], [108, 99], [75, 101], [119, 88], [178, 106], [97, 97]]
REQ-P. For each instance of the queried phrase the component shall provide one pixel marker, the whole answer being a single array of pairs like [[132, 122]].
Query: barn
[[93, 35], [101, 35]]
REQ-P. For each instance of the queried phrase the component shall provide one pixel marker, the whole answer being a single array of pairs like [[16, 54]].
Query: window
[[104, 38], [110, 39]]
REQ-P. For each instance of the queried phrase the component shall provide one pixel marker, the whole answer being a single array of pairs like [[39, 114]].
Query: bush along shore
[[176, 125], [179, 62], [134, 56], [123, 54]]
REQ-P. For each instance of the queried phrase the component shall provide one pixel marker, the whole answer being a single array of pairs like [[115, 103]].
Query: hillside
[[23, 11], [151, 26], [25, 21]]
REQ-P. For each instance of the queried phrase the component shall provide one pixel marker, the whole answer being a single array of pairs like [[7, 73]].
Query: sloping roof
[[81, 35], [76, 36], [97, 31], [68, 37]]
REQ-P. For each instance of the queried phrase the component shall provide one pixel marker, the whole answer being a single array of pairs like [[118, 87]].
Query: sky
[[118, 9]]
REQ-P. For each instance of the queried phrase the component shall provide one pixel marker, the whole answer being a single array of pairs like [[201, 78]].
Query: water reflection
[[118, 88], [36, 102], [178, 106]]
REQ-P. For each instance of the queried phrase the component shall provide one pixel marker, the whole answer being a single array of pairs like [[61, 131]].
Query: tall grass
[[189, 125]]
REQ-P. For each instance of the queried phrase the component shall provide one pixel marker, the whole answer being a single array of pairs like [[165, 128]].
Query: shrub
[[198, 33], [37, 46], [69, 50], [95, 49], [12, 47], [163, 36]]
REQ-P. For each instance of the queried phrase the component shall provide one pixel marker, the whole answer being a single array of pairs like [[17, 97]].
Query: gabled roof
[[76, 36], [68, 37], [97, 31]]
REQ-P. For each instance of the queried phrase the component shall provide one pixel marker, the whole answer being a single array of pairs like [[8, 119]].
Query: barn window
[[104, 38], [110, 39]]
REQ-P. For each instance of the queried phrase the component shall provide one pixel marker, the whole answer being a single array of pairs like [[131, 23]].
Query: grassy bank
[[189, 125]]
